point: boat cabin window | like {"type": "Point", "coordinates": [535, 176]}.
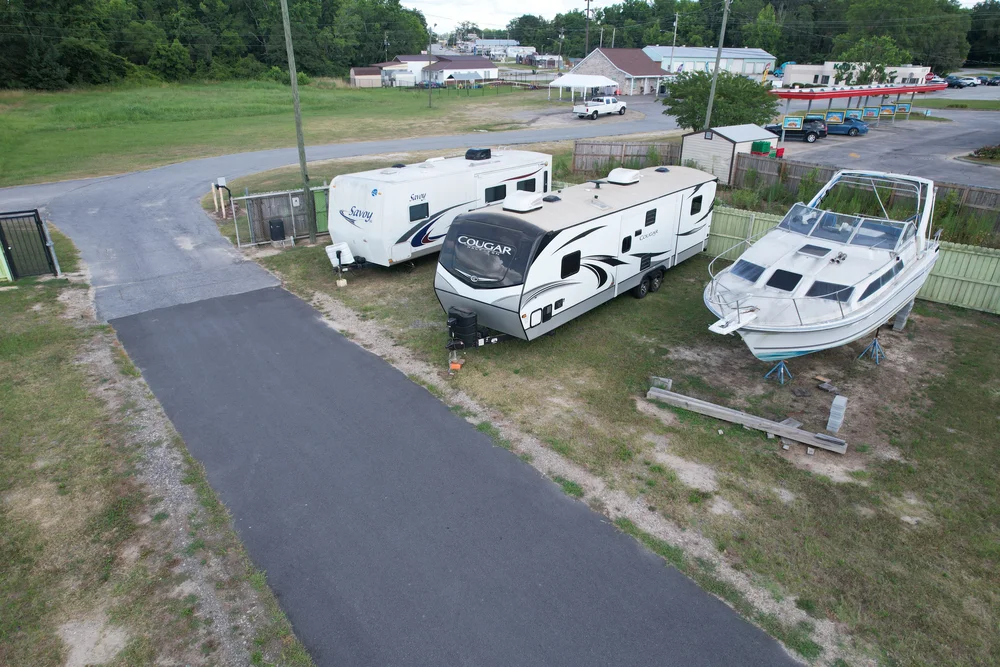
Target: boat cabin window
{"type": "Point", "coordinates": [696, 205]}
{"type": "Point", "coordinates": [908, 233]}
{"type": "Point", "coordinates": [496, 193]}
{"type": "Point", "coordinates": [882, 280]}
{"type": "Point", "coordinates": [784, 280]}
{"type": "Point", "coordinates": [419, 212]}
{"type": "Point", "coordinates": [831, 291]}
{"type": "Point", "coordinates": [747, 270]}
{"type": "Point", "coordinates": [528, 185]}
{"type": "Point", "coordinates": [570, 265]}
{"type": "Point", "coordinates": [651, 217]}
{"type": "Point", "coordinates": [835, 227]}
{"type": "Point", "coordinates": [486, 256]}
{"type": "Point", "coordinates": [800, 219]}
{"type": "Point", "coordinates": [883, 234]}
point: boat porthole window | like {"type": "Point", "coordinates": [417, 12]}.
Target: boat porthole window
{"type": "Point", "coordinates": [419, 212]}
{"type": "Point", "coordinates": [696, 205]}
{"type": "Point", "coordinates": [570, 265]}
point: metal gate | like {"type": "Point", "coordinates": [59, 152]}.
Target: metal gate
{"type": "Point", "coordinates": [26, 245]}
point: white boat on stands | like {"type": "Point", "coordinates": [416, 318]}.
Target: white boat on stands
{"type": "Point", "coordinates": [822, 279]}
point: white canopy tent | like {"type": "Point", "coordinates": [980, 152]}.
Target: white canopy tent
{"type": "Point", "coordinates": [582, 81]}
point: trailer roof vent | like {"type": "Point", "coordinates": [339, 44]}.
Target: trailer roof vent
{"type": "Point", "coordinates": [662, 170]}
{"type": "Point", "coordinates": [522, 201]}
{"type": "Point", "coordinates": [551, 198]}
{"type": "Point", "coordinates": [622, 176]}
{"type": "Point", "coordinates": [478, 154]}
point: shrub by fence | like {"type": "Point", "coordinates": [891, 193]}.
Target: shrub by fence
{"type": "Point", "coordinates": [756, 172]}
{"type": "Point", "coordinates": [593, 156]}
{"type": "Point", "coordinates": [964, 276]}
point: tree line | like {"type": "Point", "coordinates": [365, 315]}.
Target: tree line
{"type": "Point", "coordinates": [50, 44]}
{"type": "Point", "coordinates": [937, 33]}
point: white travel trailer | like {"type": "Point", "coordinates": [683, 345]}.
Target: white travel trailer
{"type": "Point", "coordinates": [386, 216]}
{"type": "Point", "coordinates": [545, 259]}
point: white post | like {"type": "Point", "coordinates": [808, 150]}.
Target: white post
{"type": "Point", "coordinates": [222, 198]}
{"type": "Point", "coordinates": [215, 197]}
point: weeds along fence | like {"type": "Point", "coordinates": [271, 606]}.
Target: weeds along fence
{"type": "Point", "coordinates": [594, 156]}
{"type": "Point", "coordinates": [967, 213]}
{"type": "Point", "coordinates": [965, 276]}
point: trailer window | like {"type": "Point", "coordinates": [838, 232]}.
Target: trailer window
{"type": "Point", "coordinates": [419, 212]}
{"type": "Point", "coordinates": [696, 205]}
{"type": "Point", "coordinates": [545, 181]}
{"type": "Point", "coordinates": [528, 185]}
{"type": "Point", "coordinates": [496, 193]}
{"type": "Point", "coordinates": [570, 265]}
{"type": "Point", "coordinates": [650, 217]}
{"type": "Point", "coordinates": [486, 256]}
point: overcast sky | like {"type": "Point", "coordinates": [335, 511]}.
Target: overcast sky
{"type": "Point", "coordinates": [497, 13]}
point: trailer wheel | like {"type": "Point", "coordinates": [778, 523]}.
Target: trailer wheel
{"type": "Point", "coordinates": [641, 290]}
{"type": "Point", "coordinates": [655, 281]}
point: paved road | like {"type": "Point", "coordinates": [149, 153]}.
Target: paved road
{"type": "Point", "coordinates": [392, 531]}
{"type": "Point", "coordinates": [921, 148]}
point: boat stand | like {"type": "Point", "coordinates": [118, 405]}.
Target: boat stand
{"type": "Point", "coordinates": [782, 370]}
{"type": "Point", "coordinates": [875, 351]}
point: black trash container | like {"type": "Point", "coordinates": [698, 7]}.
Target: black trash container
{"type": "Point", "coordinates": [277, 229]}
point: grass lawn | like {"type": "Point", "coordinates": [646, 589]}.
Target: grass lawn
{"type": "Point", "coordinates": [89, 544]}
{"type": "Point", "coordinates": [942, 103]}
{"type": "Point", "coordinates": [100, 130]}
{"type": "Point", "coordinates": [897, 543]}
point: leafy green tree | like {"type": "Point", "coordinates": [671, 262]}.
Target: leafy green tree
{"type": "Point", "coordinates": [738, 100]}
{"type": "Point", "coordinates": [171, 61]}
{"type": "Point", "coordinates": [86, 62]}
{"type": "Point", "coordinates": [764, 32]}
{"type": "Point", "coordinates": [140, 39]}
{"type": "Point", "coordinates": [984, 37]}
{"type": "Point", "coordinates": [870, 60]}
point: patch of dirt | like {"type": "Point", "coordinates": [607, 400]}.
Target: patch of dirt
{"type": "Point", "coordinates": [910, 509]}
{"type": "Point", "coordinates": [837, 467]}
{"type": "Point", "coordinates": [613, 503]}
{"type": "Point", "coordinates": [721, 506]}
{"type": "Point", "coordinates": [696, 475]}
{"type": "Point", "coordinates": [664, 415]}
{"type": "Point", "coordinates": [784, 495]}
{"type": "Point", "coordinates": [7, 288]}
{"type": "Point", "coordinates": [91, 641]}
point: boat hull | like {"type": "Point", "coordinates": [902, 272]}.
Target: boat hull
{"type": "Point", "coordinates": [776, 344]}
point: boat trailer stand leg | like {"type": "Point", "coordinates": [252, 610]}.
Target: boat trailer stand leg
{"type": "Point", "coordinates": [875, 351]}
{"type": "Point", "coordinates": [782, 372]}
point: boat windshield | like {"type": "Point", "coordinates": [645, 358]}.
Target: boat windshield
{"type": "Point", "coordinates": [801, 219]}
{"type": "Point", "coordinates": [835, 227]}
{"type": "Point", "coordinates": [882, 234]}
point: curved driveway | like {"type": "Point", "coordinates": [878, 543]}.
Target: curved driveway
{"type": "Point", "coordinates": [392, 531]}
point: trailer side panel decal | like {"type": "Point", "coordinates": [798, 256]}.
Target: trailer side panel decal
{"type": "Point", "coordinates": [418, 234]}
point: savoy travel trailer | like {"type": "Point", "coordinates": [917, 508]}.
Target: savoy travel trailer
{"type": "Point", "coordinates": [386, 216]}
{"type": "Point", "coordinates": [538, 261]}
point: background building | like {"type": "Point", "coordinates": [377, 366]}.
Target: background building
{"type": "Point", "coordinates": [826, 74]}
{"type": "Point", "coordinates": [366, 77]}
{"type": "Point", "coordinates": [450, 67]}
{"type": "Point", "coordinates": [744, 61]}
{"type": "Point", "coordinates": [634, 71]}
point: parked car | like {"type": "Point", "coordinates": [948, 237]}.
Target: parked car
{"type": "Point", "coordinates": [994, 81]}
{"type": "Point", "coordinates": [970, 81]}
{"type": "Point", "coordinates": [813, 127]}
{"type": "Point", "coordinates": [935, 79]}
{"type": "Point", "coordinates": [852, 127]}
{"type": "Point", "coordinates": [955, 82]}
{"type": "Point", "coordinates": [983, 80]}
{"type": "Point", "coordinates": [599, 106]}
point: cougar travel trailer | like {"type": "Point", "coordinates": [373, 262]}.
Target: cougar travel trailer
{"type": "Point", "coordinates": [386, 216]}
{"type": "Point", "coordinates": [545, 259]}
{"type": "Point", "coordinates": [823, 279]}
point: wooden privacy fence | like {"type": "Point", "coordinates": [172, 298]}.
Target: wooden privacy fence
{"type": "Point", "coordinates": [964, 276]}
{"type": "Point", "coordinates": [984, 202]}
{"type": "Point", "coordinates": [590, 156]}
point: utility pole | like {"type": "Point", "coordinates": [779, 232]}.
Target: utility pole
{"type": "Point", "coordinates": [614, 29]}
{"type": "Point", "coordinates": [602, 37]}
{"type": "Point", "coordinates": [586, 48]}
{"type": "Point", "coordinates": [718, 59]}
{"type": "Point", "coordinates": [306, 192]}
{"type": "Point", "coordinates": [430, 91]}
{"type": "Point", "coordinates": [670, 69]}
{"type": "Point", "coordinates": [562, 36]}
{"type": "Point", "coordinates": [385, 44]}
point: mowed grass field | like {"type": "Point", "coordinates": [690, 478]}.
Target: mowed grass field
{"type": "Point", "coordinates": [897, 543]}
{"type": "Point", "coordinates": [100, 131]}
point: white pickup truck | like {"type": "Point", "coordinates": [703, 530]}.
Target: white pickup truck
{"type": "Point", "coordinates": [599, 106]}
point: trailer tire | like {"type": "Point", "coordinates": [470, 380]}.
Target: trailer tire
{"type": "Point", "coordinates": [655, 281]}
{"type": "Point", "coordinates": [593, 116]}
{"type": "Point", "coordinates": [642, 289]}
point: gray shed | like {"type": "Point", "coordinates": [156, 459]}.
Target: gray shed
{"type": "Point", "coordinates": [715, 150]}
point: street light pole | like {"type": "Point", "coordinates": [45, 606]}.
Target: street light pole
{"type": "Point", "coordinates": [430, 92]}
{"type": "Point", "coordinates": [670, 68]}
{"type": "Point", "coordinates": [293, 75]}
{"type": "Point", "coordinates": [718, 59]}
{"type": "Point", "coordinates": [586, 48]}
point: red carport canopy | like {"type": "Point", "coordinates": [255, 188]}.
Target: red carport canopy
{"type": "Point", "coordinates": [832, 92]}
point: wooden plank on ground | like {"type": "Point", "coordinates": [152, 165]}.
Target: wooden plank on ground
{"type": "Point", "coordinates": [735, 416]}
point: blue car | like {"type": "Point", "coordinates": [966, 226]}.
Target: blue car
{"type": "Point", "coordinates": [852, 127]}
